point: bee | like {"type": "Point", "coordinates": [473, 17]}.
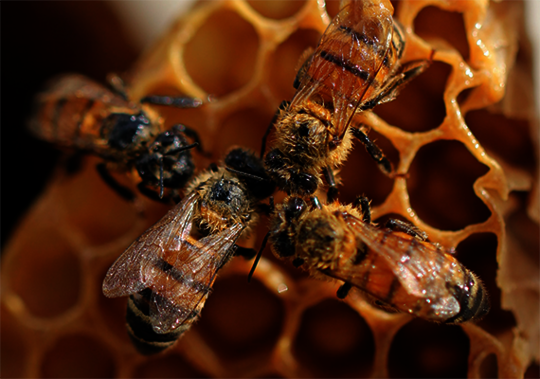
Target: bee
{"type": "Point", "coordinates": [395, 267]}
{"type": "Point", "coordinates": [168, 272]}
{"type": "Point", "coordinates": [355, 66]}
{"type": "Point", "coordinates": [76, 112]}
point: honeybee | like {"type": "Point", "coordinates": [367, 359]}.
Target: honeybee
{"type": "Point", "coordinates": [355, 66]}
{"type": "Point", "coordinates": [76, 112]}
{"type": "Point", "coordinates": [395, 267]}
{"type": "Point", "coordinates": [168, 272]}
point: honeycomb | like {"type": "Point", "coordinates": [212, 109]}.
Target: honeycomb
{"type": "Point", "coordinates": [465, 131]}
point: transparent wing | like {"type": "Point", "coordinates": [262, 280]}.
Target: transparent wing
{"type": "Point", "coordinates": [418, 265]}
{"type": "Point", "coordinates": [192, 281]}
{"type": "Point", "coordinates": [347, 60]}
{"type": "Point", "coordinates": [137, 267]}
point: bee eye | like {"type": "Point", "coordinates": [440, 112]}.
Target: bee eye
{"type": "Point", "coordinates": [274, 159]}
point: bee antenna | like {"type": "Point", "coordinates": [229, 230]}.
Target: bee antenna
{"type": "Point", "coordinates": [258, 257]}
{"type": "Point", "coordinates": [182, 148]}
{"type": "Point", "coordinates": [245, 174]}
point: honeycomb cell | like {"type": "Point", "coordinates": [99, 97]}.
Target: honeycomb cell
{"type": "Point", "coordinates": [441, 186]}
{"type": "Point", "coordinates": [426, 350]}
{"type": "Point", "coordinates": [435, 22]}
{"type": "Point", "coordinates": [14, 352]}
{"type": "Point", "coordinates": [488, 367]}
{"type": "Point", "coordinates": [245, 127]}
{"type": "Point", "coordinates": [419, 107]}
{"type": "Point", "coordinates": [276, 9]}
{"type": "Point", "coordinates": [168, 366]}
{"type": "Point", "coordinates": [92, 203]}
{"type": "Point", "coordinates": [46, 274]}
{"type": "Point", "coordinates": [78, 356]}
{"type": "Point", "coordinates": [287, 59]}
{"type": "Point", "coordinates": [233, 54]}
{"type": "Point", "coordinates": [533, 371]}
{"type": "Point", "coordinates": [510, 139]}
{"type": "Point", "coordinates": [478, 253]}
{"type": "Point", "coordinates": [334, 341]}
{"type": "Point", "coordinates": [241, 321]}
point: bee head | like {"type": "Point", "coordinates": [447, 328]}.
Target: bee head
{"type": "Point", "coordinates": [126, 130]}
{"type": "Point", "coordinates": [250, 170]}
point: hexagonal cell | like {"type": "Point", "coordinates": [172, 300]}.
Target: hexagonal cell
{"type": "Point", "coordinates": [78, 356]}
{"type": "Point", "coordinates": [166, 366]}
{"type": "Point", "coordinates": [276, 9]}
{"type": "Point", "coordinates": [436, 22]}
{"type": "Point", "coordinates": [441, 186]}
{"type": "Point", "coordinates": [427, 350]}
{"type": "Point", "coordinates": [334, 341]}
{"type": "Point", "coordinates": [15, 349]}
{"type": "Point", "coordinates": [287, 59]}
{"type": "Point", "coordinates": [241, 322]}
{"type": "Point", "coordinates": [245, 127]}
{"type": "Point", "coordinates": [94, 207]}
{"type": "Point", "coordinates": [232, 62]}
{"type": "Point", "coordinates": [46, 273]}
{"type": "Point", "coordinates": [419, 106]}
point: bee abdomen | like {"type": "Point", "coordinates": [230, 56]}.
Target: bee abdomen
{"type": "Point", "coordinates": [472, 298]}
{"type": "Point", "coordinates": [140, 330]}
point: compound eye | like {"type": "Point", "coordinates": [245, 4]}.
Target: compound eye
{"type": "Point", "coordinates": [274, 159]}
{"type": "Point", "coordinates": [125, 129]}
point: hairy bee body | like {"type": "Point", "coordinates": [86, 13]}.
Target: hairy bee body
{"type": "Point", "coordinates": [169, 271]}
{"type": "Point", "coordinates": [76, 112]}
{"type": "Point", "coordinates": [393, 269]}
{"type": "Point", "coordinates": [355, 66]}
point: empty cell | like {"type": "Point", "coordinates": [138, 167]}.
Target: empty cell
{"type": "Point", "coordinates": [78, 356]}
{"type": "Point", "coordinates": [488, 367]}
{"type": "Point", "coordinates": [46, 273]}
{"type": "Point", "coordinates": [167, 366]}
{"type": "Point", "coordinates": [334, 341]}
{"type": "Point", "coordinates": [231, 63]}
{"type": "Point", "coordinates": [426, 350]}
{"type": "Point", "coordinates": [241, 321]}
{"type": "Point", "coordinates": [440, 186]}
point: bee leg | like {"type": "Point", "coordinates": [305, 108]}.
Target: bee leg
{"type": "Point", "coordinates": [343, 291]}
{"type": "Point", "coordinates": [173, 101]}
{"type": "Point", "coordinates": [191, 133]}
{"type": "Point", "coordinates": [283, 106]}
{"type": "Point", "coordinates": [362, 203]}
{"type": "Point", "coordinates": [408, 71]}
{"type": "Point", "coordinates": [373, 150]}
{"type": "Point", "coordinates": [122, 191]}
{"type": "Point", "coordinates": [333, 192]}
{"type": "Point", "coordinates": [406, 227]}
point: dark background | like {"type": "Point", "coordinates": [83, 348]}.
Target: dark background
{"type": "Point", "coordinates": [41, 40]}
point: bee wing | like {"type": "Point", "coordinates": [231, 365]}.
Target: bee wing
{"type": "Point", "coordinates": [135, 269]}
{"type": "Point", "coordinates": [415, 263]}
{"type": "Point", "coordinates": [178, 299]}
{"type": "Point", "coordinates": [347, 59]}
